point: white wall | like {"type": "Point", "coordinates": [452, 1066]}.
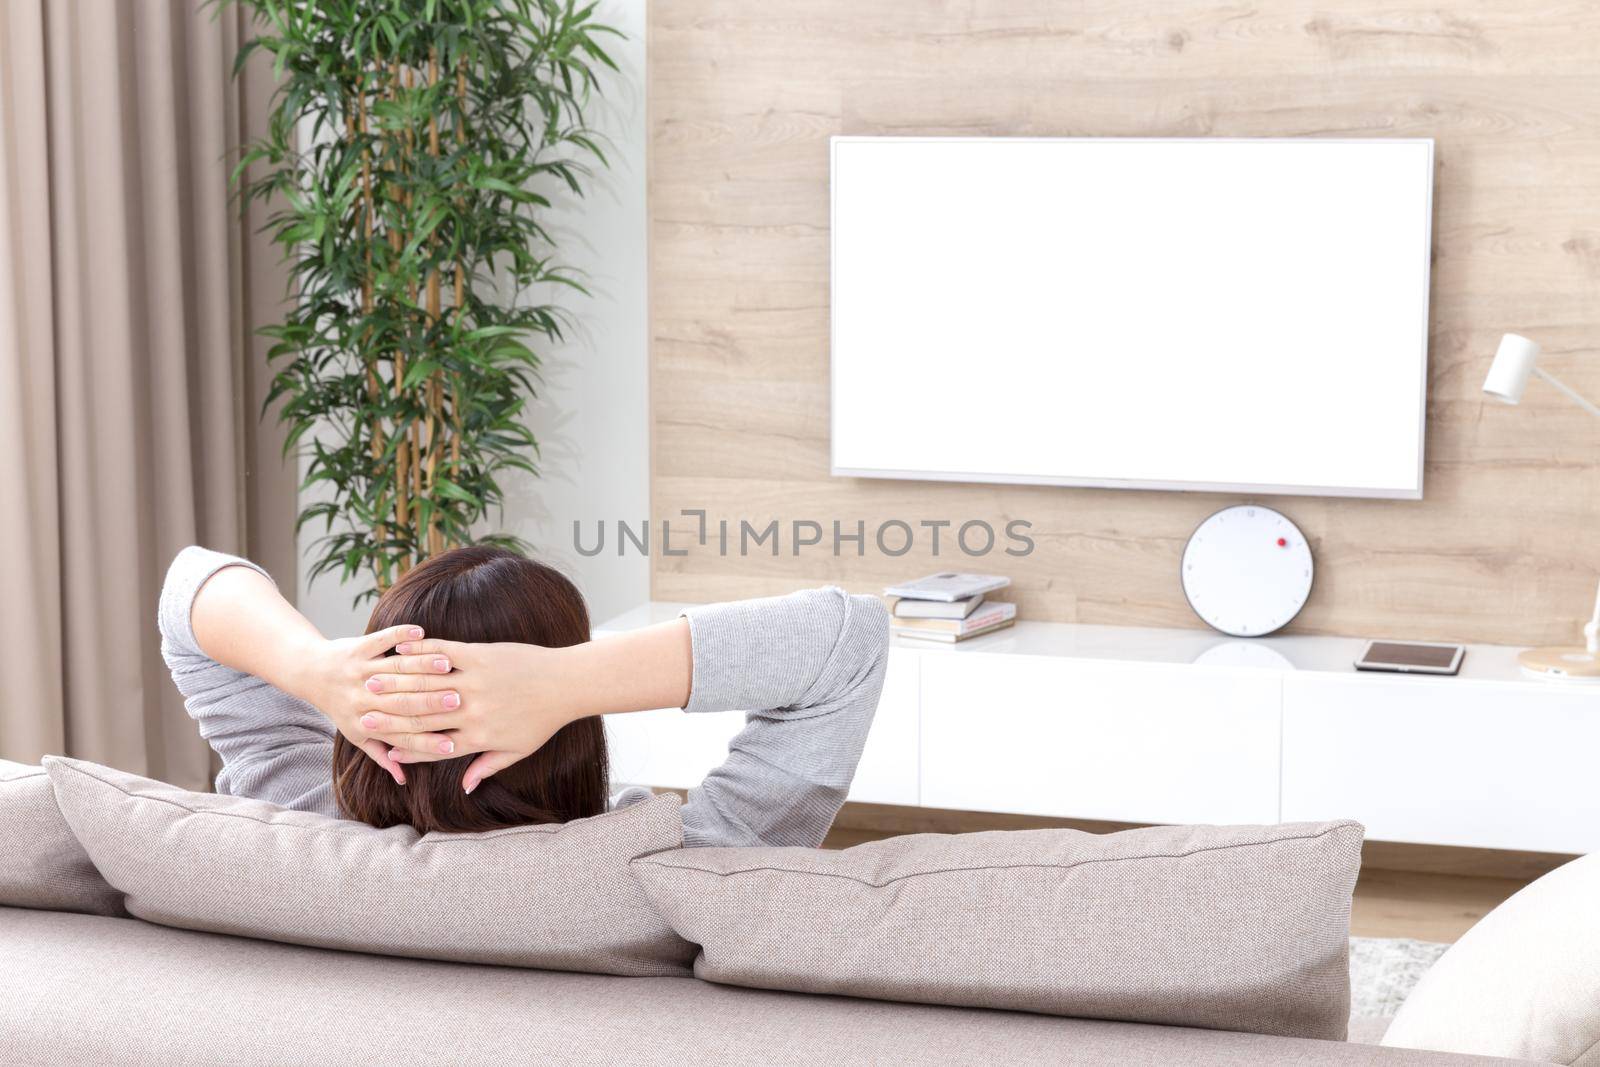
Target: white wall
{"type": "Point", "coordinates": [592, 415]}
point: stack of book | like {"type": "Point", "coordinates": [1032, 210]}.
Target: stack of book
{"type": "Point", "coordinates": [950, 607]}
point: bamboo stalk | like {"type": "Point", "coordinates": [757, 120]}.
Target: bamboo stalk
{"type": "Point", "coordinates": [413, 437]}
{"type": "Point", "coordinates": [380, 529]}
{"type": "Point", "coordinates": [460, 280]}
{"type": "Point", "coordinates": [402, 457]}
{"type": "Point", "coordinates": [435, 388]}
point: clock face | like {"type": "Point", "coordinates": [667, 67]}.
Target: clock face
{"type": "Point", "coordinates": [1247, 571]}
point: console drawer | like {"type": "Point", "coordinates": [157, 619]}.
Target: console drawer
{"type": "Point", "coordinates": [1095, 739]}
{"type": "Point", "coordinates": [1436, 761]}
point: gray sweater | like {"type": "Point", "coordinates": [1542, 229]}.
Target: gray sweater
{"type": "Point", "coordinates": [810, 664]}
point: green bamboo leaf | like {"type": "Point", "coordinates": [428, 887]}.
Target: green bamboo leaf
{"type": "Point", "coordinates": [451, 490]}
{"type": "Point", "coordinates": [490, 331]}
{"type": "Point", "coordinates": [419, 372]}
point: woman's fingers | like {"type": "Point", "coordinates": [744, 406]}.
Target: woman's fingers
{"type": "Point", "coordinates": [376, 722]}
{"type": "Point", "coordinates": [456, 651]}
{"type": "Point", "coordinates": [409, 683]}
{"type": "Point", "coordinates": [377, 643]}
{"type": "Point", "coordinates": [411, 705]}
{"type": "Point", "coordinates": [406, 755]}
{"type": "Point", "coordinates": [404, 745]}
{"type": "Point", "coordinates": [433, 663]}
{"type": "Point", "coordinates": [379, 754]}
{"type": "Point", "coordinates": [485, 765]}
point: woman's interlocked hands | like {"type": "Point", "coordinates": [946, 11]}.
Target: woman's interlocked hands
{"type": "Point", "coordinates": [499, 700]}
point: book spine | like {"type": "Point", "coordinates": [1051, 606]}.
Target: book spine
{"type": "Point", "coordinates": [950, 637]}
{"type": "Point", "coordinates": [999, 611]}
{"type": "Point", "coordinates": [986, 617]}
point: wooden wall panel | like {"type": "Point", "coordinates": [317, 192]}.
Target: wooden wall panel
{"type": "Point", "coordinates": [1505, 547]}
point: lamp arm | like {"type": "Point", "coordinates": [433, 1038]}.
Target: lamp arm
{"type": "Point", "coordinates": [1562, 386]}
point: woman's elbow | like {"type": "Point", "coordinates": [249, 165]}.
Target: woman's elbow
{"type": "Point", "coordinates": [176, 589]}
{"type": "Point", "coordinates": [866, 635]}
{"type": "Point", "coordinates": [189, 570]}
{"type": "Point", "coordinates": [872, 617]}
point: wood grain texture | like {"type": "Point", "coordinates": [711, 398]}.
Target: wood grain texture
{"type": "Point", "coordinates": [1429, 907]}
{"type": "Point", "coordinates": [743, 97]}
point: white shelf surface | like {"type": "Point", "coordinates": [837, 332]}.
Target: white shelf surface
{"type": "Point", "coordinates": [1203, 648]}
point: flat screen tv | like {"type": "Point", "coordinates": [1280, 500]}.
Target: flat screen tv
{"type": "Point", "coordinates": [1206, 314]}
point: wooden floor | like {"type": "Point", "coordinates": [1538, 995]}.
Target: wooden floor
{"type": "Point", "coordinates": [1432, 907]}
{"type": "Point", "coordinates": [1438, 899]}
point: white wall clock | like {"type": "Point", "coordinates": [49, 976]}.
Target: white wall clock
{"type": "Point", "coordinates": [1247, 571]}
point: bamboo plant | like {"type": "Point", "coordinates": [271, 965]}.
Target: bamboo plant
{"type": "Point", "coordinates": [412, 150]}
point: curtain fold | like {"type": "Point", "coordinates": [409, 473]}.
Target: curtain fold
{"type": "Point", "coordinates": [130, 376]}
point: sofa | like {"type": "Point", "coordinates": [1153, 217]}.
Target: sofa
{"type": "Point", "coordinates": [85, 989]}
{"type": "Point", "coordinates": [145, 924]}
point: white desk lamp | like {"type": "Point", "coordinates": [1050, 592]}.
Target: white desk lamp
{"type": "Point", "coordinates": [1516, 361]}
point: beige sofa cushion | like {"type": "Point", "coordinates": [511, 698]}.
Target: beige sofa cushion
{"type": "Point", "coordinates": [558, 896]}
{"type": "Point", "coordinates": [1524, 981]}
{"type": "Point", "coordinates": [1233, 928]}
{"type": "Point", "coordinates": [77, 989]}
{"type": "Point", "coordinates": [41, 863]}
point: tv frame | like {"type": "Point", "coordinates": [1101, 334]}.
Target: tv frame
{"type": "Point", "coordinates": [1000, 478]}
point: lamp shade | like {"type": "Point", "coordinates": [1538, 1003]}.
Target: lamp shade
{"type": "Point", "coordinates": [1513, 366]}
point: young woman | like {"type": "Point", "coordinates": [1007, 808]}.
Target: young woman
{"type": "Point", "coordinates": [472, 702]}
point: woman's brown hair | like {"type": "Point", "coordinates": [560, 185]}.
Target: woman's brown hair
{"type": "Point", "coordinates": [482, 593]}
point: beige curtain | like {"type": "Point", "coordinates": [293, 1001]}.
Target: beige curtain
{"type": "Point", "coordinates": [130, 376]}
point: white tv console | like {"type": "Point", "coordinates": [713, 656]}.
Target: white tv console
{"type": "Point", "coordinates": [1163, 726]}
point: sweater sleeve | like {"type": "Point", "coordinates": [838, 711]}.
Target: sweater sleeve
{"type": "Point", "coordinates": [811, 667]}
{"type": "Point", "coordinates": [273, 746]}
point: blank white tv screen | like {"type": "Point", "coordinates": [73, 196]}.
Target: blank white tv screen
{"type": "Point", "coordinates": [1246, 315]}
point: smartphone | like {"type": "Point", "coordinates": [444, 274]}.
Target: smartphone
{"type": "Point", "coordinates": [1411, 657]}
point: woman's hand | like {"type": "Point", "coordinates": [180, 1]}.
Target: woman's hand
{"type": "Point", "coordinates": [332, 676]}
{"type": "Point", "coordinates": [513, 698]}
{"type": "Point", "coordinates": [509, 700]}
